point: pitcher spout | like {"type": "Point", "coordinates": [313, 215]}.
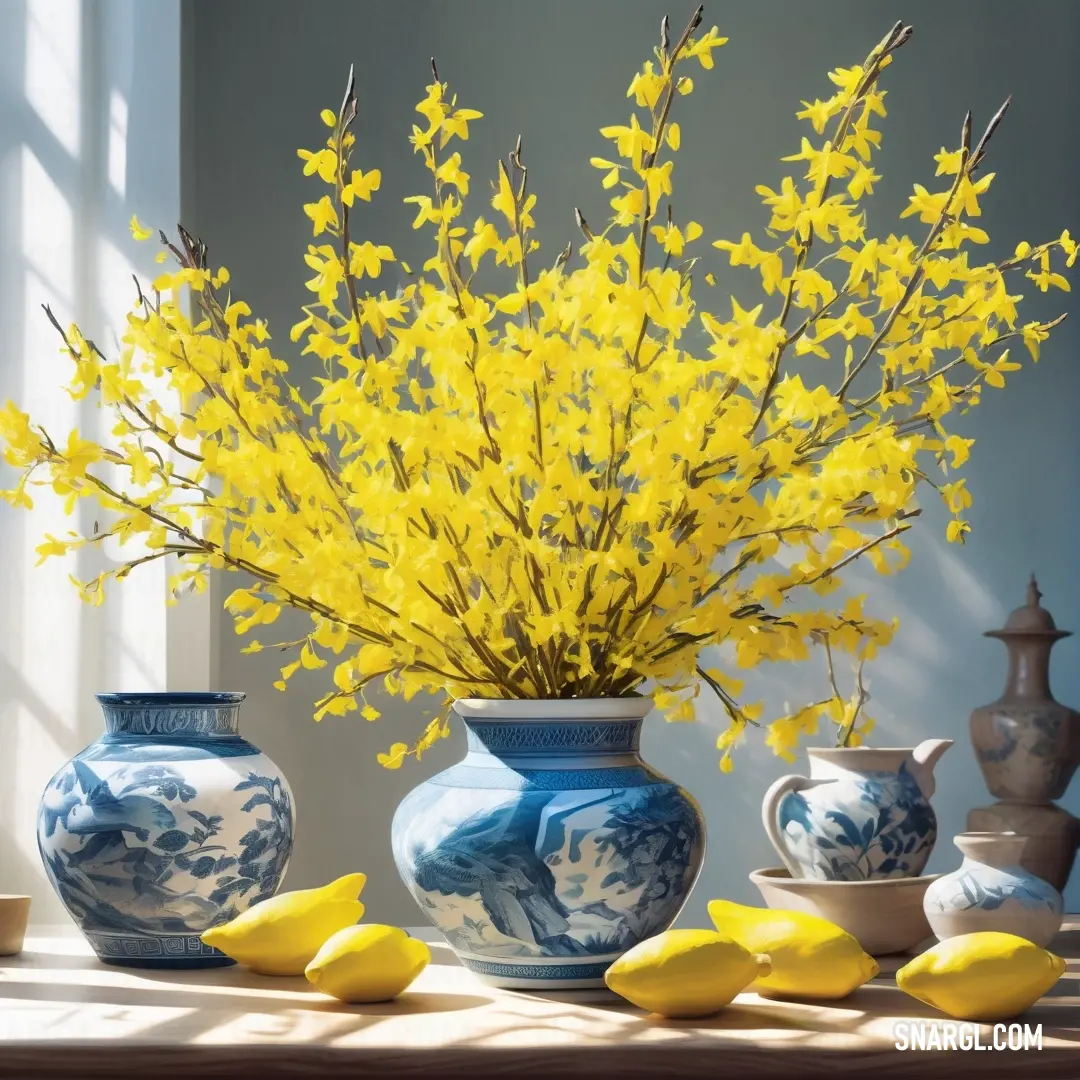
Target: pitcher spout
{"type": "Point", "coordinates": [924, 757]}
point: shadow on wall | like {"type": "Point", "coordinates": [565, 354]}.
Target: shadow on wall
{"type": "Point", "coordinates": [89, 135]}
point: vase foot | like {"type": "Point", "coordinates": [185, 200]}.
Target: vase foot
{"type": "Point", "coordinates": [173, 951]}
{"type": "Point", "coordinates": [165, 964]}
{"type": "Point", "coordinates": [540, 974]}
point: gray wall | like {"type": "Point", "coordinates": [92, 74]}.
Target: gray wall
{"type": "Point", "coordinates": [259, 74]}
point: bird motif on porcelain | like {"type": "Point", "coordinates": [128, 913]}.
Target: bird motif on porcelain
{"type": "Point", "coordinates": [170, 846]}
{"type": "Point", "coordinates": [546, 873]}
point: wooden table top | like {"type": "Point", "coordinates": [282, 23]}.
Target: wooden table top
{"type": "Point", "coordinates": [65, 1015]}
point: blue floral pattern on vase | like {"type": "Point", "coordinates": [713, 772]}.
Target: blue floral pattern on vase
{"type": "Point", "coordinates": [989, 889]}
{"type": "Point", "coordinates": [542, 872]}
{"type": "Point", "coordinates": [150, 837]}
{"type": "Point", "coordinates": [872, 824]}
{"type": "Point", "coordinates": [992, 891]}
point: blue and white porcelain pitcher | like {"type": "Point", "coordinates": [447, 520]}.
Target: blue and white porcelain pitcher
{"type": "Point", "coordinates": [862, 813]}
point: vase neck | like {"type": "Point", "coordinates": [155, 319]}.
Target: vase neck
{"type": "Point", "coordinates": [528, 738]}
{"type": "Point", "coordinates": [998, 850]}
{"type": "Point", "coordinates": [185, 715]}
{"type": "Point", "coordinates": [1029, 668]}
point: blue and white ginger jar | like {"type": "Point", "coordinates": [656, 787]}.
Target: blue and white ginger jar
{"type": "Point", "coordinates": [166, 825]}
{"type": "Point", "coordinates": [861, 815]}
{"type": "Point", "coordinates": [992, 891]}
{"type": "Point", "coordinates": [552, 848]}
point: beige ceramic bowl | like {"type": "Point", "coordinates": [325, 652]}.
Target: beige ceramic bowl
{"type": "Point", "coordinates": [884, 915]}
{"type": "Point", "coordinates": [14, 913]}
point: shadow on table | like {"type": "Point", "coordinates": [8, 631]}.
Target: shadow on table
{"type": "Point", "coordinates": [1067, 943]}
{"type": "Point", "coordinates": [301, 998]}
{"type": "Point", "coordinates": [288, 1011]}
{"type": "Point", "coordinates": [792, 1021]}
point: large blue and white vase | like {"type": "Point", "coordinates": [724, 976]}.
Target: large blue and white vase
{"type": "Point", "coordinates": [862, 814]}
{"type": "Point", "coordinates": [992, 891]}
{"type": "Point", "coordinates": [166, 825]}
{"type": "Point", "coordinates": [551, 848]}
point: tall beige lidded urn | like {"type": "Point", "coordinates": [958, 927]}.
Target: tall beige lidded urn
{"type": "Point", "coordinates": [1028, 747]}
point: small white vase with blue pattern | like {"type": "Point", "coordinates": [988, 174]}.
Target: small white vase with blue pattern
{"type": "Point", "coordinates": [552, 848]}
{"type": "Point", "coordinates": [992, 891]}
{"type": "Point", "coordinates": [862, 814]}
{"type": "Point", "coordinates": [168, 824]}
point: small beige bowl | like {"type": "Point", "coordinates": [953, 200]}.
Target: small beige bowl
{"type": "Point", "coordinates": [885, 915]}
{"type": "Point", "coordinates": [14, 915]}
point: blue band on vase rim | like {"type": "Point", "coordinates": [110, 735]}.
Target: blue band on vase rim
{"type": "Point", "coordinates": [567, 710]}
{"type": "Point", "coordinates": [543, 737]}
{"type": "Point", "coordinates": [189, 713]}
{"type": "Point", "coordinates": [515, 727]}
{"type": "Point", "coordinates": [153, 699]}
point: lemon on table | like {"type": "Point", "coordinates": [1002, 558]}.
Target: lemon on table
{"type": "Point", "coordinates": [810, 957]}
{"type": "Point", "coordinates": [363, 964]}
{"type": "Point", "coordinates": [281, 935]}
{"type": "Point", "coordinates": [684, 973]}
{"type": "Point", "coordinates": [985, 976]}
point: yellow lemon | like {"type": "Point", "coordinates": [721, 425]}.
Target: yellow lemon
{"type": "Point", "coordinates": [810, 956]}
{"type": "Point", "coordinates": [363, 964]}
{"type": "Point", "coordinates": [684, 973]}
{"type": "Point", "coordinates": [281, 935]}
{"type": "Point", "coordinates": [985, 976]}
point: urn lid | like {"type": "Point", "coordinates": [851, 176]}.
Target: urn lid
{"type": "Point", "coordinates": [1031, 620]}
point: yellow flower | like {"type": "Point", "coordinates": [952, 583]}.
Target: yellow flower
{"type": "Point", "coordinates": [631, 141]}
{"type": "Point", "coordinates": [949, 162]}
{"type": "Point", "coordinates": [957, 530]}
{"type": "Point", "coordinates": [323, 214]}
{"type": "Point", "coordinates": [361, 185]}
{"type": "Point", "coordinates": [139, 231]}
{"type": "Point", "coordinates": [673, 240]}
{"type": "Point", "coordinates": [819, 112]}
{"type": "Point", "coordinates": [928, 207]}
{"type": "Point", "coordinates": [457, 123]}
{"type": "Point", "coordinates": [703, 47]}
{"type": "Point", "coordinates": [558, 474]}
{"type": "Point", "coordinates": [1069, 246]}
{"type": "Point", "coordinates": [646, 87]}
{"type": "Point", "coordinates": [395, 757]}
{"type": "Point", "coordinates": [367, 258]}
{"type": "Point", "coordinates": [862, 182]}
{"type": "Point", "coordinates": [323, 162]}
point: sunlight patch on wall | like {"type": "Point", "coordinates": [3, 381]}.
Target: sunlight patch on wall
{"type": "Point", "coordinates": [984, 610]}
{"type": "Point", "coordinates": [46, 655]}
{"type": "Point", "coordinates": [48, 240]}
{"type": "Point", "coordinates": [53, 67]}
{"type": "Point", "coordinates": [135, 612]}
{"type": "Point", "coordinates": [118, 127]}
{"type": "Point", "coordinates": [50, 606]}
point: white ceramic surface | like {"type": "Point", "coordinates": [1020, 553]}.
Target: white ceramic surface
{"type": "Point", "coordinates": [885, 916]}
{"type": "Point", "coordinates": [862, 814]}
{"type": "Point", "coordinates": [992, 891]}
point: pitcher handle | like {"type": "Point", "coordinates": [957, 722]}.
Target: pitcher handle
{"type": "Point", "coordinates": [770, 810]}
